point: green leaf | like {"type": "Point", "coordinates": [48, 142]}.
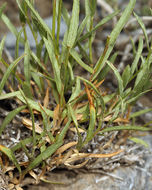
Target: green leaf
{"type": "Point", "coordinates": [8, 23]}
{"type": "Point", "coordinates": [43, 156]}
{"type": "Point", "coordinates": [38, 81]}
{"type": "Point", "coordinates": [54, 62]}
{"type": "Point", "coordinates": [37, 60]}
{"type": "Point", "coordinates": [38, 18]}
{"type": "Point", "coordinates": [116, 111]}
{"type": "Point", "coordinates": [125, 127]}
{"type": "Point", "coordinates": [71, 73]}
{"type": "Point", "coordinates": [11, 27]}
{"type": "Point", "coordinates": [81, 27]}
{"type": "Point", "coordinates": [120, 81]}
{"type": "Point", "coordinates": [24, 142]}
{"type": "Point", "coordinates": [18, 39]}
{"type": "Point", "coordinates": [135, 96]}
{"type": "Point", "coordinates": [65, 15]}
{"type": "Point", "coordinates": [138, 55]}
{"type": "Point", "coordinates": [27, 71]}
{"type": "Point", "coordinates": [2, 46]}
{"type": "Point", "coordinates": [9, 153]}
{"type": "Point", "coordinates": [101, 23]}
{"type": "Point", "coordinates": [72, 115]}
{"type": "Point", "coordinates": [91, 128]}
{"type": "Point", "coordinates": [33, 120]}
{"type": "Point", "coordinates": [108, 97]}
{"type": "Point", "coordinates": [9, 117]}
{"type": "Point", "coordinates": [139, 141]}
{"type": "Point", "coordinates": [34, 105]}
{"type": "Point", "coordinates": [141, 112]}
{"type": "Point", "coordinates": [84, 54]}
{"type": "Point", "coordinates": [2, 9]}
{"type": "Point", "coordinates": [9, 95]}
{"type": "Point", "coordinates": [8, 72]}
{"type": "Point", "coordinates": [76, 56]}
{"type": "Point", "coordinates": [88, 13]}
{"type": "Point", "coordinates": [74, 23]}
{"type": "Point", "coordinates": [126, 75]}
{"type": "Point", "coordinates": [90, 7]}
{"type": "Point", "coordinates": [22, 11]}
{"type": "Point", "coordinates": [143, 29]}
{"type": "Point", "coordinates": [46, 123]}
{"type": "Point", "coordinates": [49, 150]}
{"type": "Point", "coordinates": [27, 90]}
{"type": "Point", "coordinates": [103, 73]}
{"type": "Point", "coordinates": [75, 90]}
{"type": "Point", "coordinates": [39, 48]}
{"type": "Point", "coordinates": [113, 36]}
{"type": "Point", "coordinates": [59, 11]}
{"type": "Point", "coordinates": [65, 50]}
{"type": "Point", "coordinates": [142, 78]}
{"type": "Point", "coordinates": [54, 19]}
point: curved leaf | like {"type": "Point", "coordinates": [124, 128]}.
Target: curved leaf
{"type": "Point", "coordinates": [125, 127]}
{"type": "Point", "coordinates": [8, 72]}
{"type": "Point", "coordinates": [10, 116]}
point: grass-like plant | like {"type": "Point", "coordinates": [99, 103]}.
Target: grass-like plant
{"type": "Point", "coordinates": [50, 90]}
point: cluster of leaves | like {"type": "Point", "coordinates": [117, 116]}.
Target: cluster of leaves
{"type": "Point", "coordinates": [86, 102]}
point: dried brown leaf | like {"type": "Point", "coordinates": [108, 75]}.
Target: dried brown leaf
{"type": "Point", "coordinates": [38, 129]}
{"type": "Point", "coordinates": [56, 115]}
{"type": "Point", "coordinates": [46, 98]}
{"type": "Point", "coordinates": [65, 147]}
{"type": "Point", "coordinates": [36, 177]}
{"type": "Point", "coordinates": [76, 166]}
{"type": "Point", "coordinates": [18, 187]}
{"type": "Point", "coordinates": [78, 156]}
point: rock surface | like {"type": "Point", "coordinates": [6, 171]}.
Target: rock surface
{"type": "Point", "coordinates": [134, 177]}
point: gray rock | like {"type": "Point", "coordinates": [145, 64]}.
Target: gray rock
{"type": "Point", "coordinates": [11, 39]}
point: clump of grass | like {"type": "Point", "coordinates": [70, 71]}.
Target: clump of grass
{"type": "Point", "coordinates": [50, 90]}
